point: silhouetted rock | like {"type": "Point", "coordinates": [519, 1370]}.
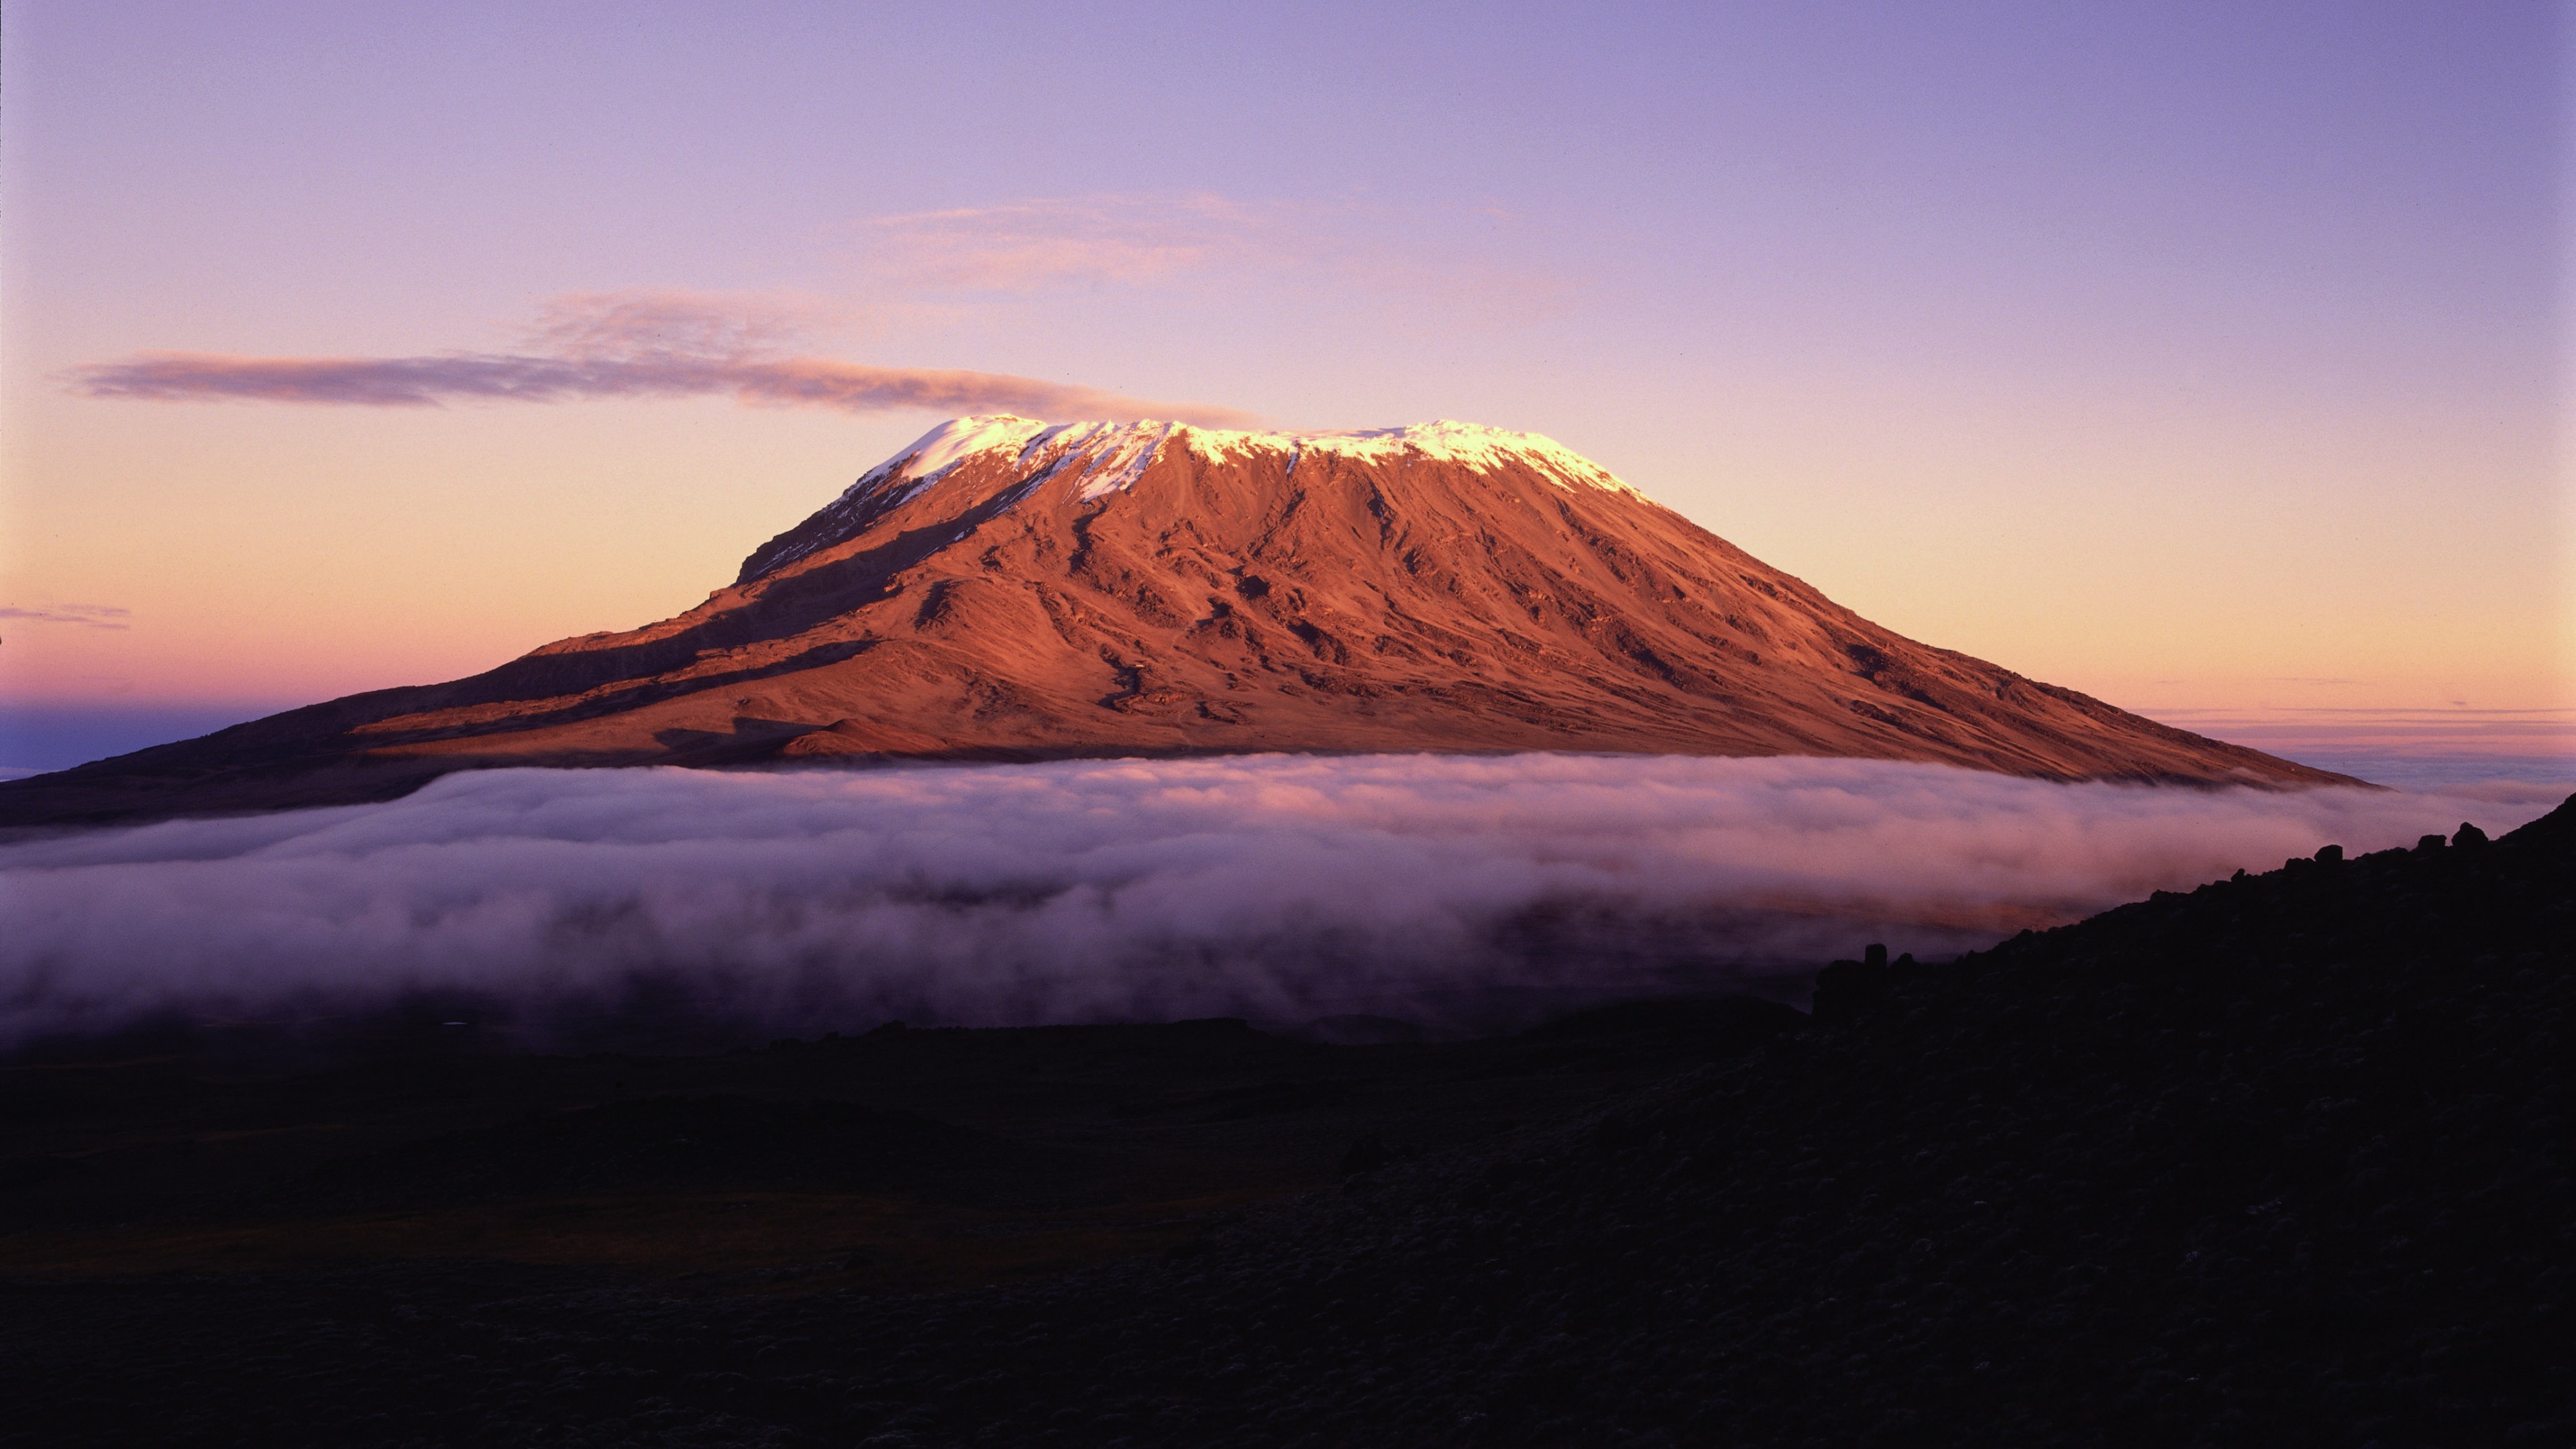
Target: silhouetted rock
{"type": "Point", "coordinates": [1845, 989]}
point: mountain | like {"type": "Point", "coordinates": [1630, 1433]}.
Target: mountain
{"type": "Point", "coordinates": [1010, 589]}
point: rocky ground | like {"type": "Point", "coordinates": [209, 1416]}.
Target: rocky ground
{"type": "Point", "coordinates": [2281, 1161]}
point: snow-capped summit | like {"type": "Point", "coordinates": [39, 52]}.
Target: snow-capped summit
{"type": "Point", "coordinates": [1096, 459]}
{"type": "Point", "coordinates": [1111, 456]}
{"type": "Point", "coordinates": [1026, 441]}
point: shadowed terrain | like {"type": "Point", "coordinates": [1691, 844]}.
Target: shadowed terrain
{"type": "Point", "coordinates": [2282, 1160]}
{"type": "Point", "coordinates": [1007, 591]}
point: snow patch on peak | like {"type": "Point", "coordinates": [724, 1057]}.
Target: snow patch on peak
{"type": "Point", "coordinates": [1445, 440]}
{"type": "Point", "coordinates": [1115, 466]}
{"type": "Point", "coordinates": [956, 440]}
{"type": "Point", "coordinates": [1111, 457]}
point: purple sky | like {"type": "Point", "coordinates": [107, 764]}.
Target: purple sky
{"type": "Point", "coordinates": [2200, 356]}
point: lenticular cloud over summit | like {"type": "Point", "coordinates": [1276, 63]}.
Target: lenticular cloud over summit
{"type": "Point", "coordinates": [1278, 887]}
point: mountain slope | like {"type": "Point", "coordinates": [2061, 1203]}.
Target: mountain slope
{"type": "Point", "coordinates": [1009, 589]}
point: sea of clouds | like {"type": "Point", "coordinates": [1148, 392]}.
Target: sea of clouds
{"type": "Point", "coordinates": [1455, 892]}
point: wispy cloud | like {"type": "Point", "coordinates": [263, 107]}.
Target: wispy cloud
{"type": "Point", "coordinates": [783, 382]}
{"type": "Point", "coordinates": [94, 616]}
{"type": "Point", "coordinates": [628, 344]}
{"type": "Point", "coordinates": [1198, 239]}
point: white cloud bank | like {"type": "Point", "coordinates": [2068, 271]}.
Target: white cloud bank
{"type": "Point", "coordinates": [1279, 887]}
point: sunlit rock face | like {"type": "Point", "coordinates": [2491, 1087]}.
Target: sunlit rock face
{"type": "Point", "coordinates": [1007, 588]}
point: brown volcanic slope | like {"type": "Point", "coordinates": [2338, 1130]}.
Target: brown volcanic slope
{"type": "Point", "coordinates": [1007, 590]}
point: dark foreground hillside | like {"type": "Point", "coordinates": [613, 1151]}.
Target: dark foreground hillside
{"type": "Point", "coordinates": [2284, 1161]}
